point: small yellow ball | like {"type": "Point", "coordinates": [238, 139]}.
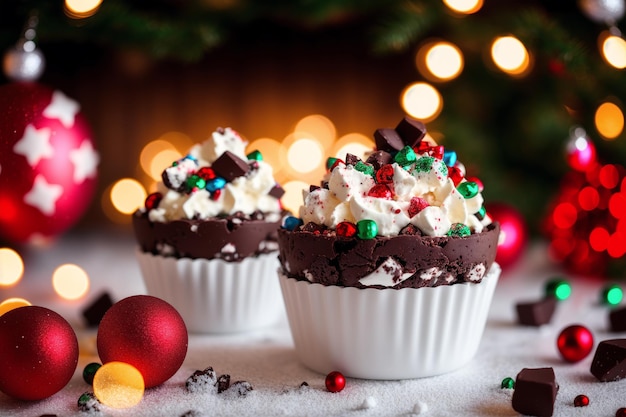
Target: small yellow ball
{"type": "Point", "coordinates": [118, 385]}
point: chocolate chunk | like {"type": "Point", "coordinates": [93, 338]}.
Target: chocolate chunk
{"type": "Point", "coordinates": [379, 158]}
{"type": "Point", "coordinates": [313, 227]}
{"type": "Point", "coordinates": [617, 319]}
{"type": "Point", "coordinates": [95, 311]}
{"type": "Point", "coordinates": [277, 192]}
{"type": "Point", "coordinates": [352, 159]}
{"type": "Point", "coordinates": [313, 188]}
{"type": "Point", "coordinates": [536, 313]}
{"type": "Point", "coordinates": [241, 387]}
{"type": "Point", "coordinates": [535, 392]}
{"type": "Point", "coordinates": [388, 140]}
{"type": "Point", "coordinates": [411, 131]}
{"type": "Point", "coordinates": [609, 361]}
{"type": "Point", "coordinates": [229, 166]}
{"type": "Point", "coordinates": [223, 383]}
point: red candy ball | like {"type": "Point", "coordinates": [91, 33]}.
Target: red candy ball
{"type": "Point", "coordinates": [47, 162]}
{"type": "Point", "coordinates": [581, 401]}
{"type": "Point", "coordinates": [145, 332]}
{"type": "Point", "coordinates": [621, 412]}
{"type": "Point", "coordinates": [514, 232]}
{"type": "Point", "coordinates": [38, 353]}
{"type": "Point", "coordinates": [575, 343]}
{"type": "Point", "coordinates": [335, 381]}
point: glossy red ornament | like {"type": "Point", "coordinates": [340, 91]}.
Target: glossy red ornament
{"type": "Point", "coordinates": [581, 401]}
{"type": "Point", "coordinates": [335, 381]}
{"type": "Point", "coordinates": [575, 343]}
{"type": "Point", "coordinates": [346, 229]}
{"type": "Point", "coordinates": [38, 351]}
{"type": "Point", "coordinates": [145, 332]}
{"type": "Point", "coordinates": [381, 191]}
{"type": "Point", "coordinates": [47, 162]}
{"type": "Point", "coordinates": [514, 233]}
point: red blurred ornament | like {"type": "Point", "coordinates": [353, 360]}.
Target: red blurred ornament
{"type": "Point", "coordinates": [581, 401]}
{"type": "Point", "coordinates": [575, 343]}
{"type": "Point", "coordinates": [145, 332]}
{"type": "Point", "coordinates": [514, 233]}
{"type": "Point", "coordinates": [335, 381]}
{"type": "Point", "coordinates": [621, 412]}
{"type": "Point", "coordinates": [38, 351]}
{"type": "Point", "coordinates": [580, 151]}
{"type": "Point", "coordinates": [47, 162]}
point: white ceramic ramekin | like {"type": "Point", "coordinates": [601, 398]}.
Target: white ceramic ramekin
{"type": "Point", "coordinates": [385, 333]}
{"type": "Point", "coordinates": [215, 296]}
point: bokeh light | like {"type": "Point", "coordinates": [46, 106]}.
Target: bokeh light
{"type": "Point", "coordinates": [609, 120]}
{"type": "Point", "coordinates": [305, 155]}
{"type": "Point", "coordinates": [162, 160]}
{"type": "Point", "coordinates": [11, 267]}
{"type": "Point", "coordinates": [564, 215]}
{"type": "Point", "coordinates": [510, 55]}
{"type": "Point", "coordinates": [464, 6]}
{"type": "Point", "coordinates": [70, 281]}
{"type": "Point", "coordinates": [80, 9]}
{"type": "Point", "coordinates": [292, 200]}
{"type": "Point", "coordinates": [127, 195]}
{"type": "Point", "coordinates": [422, 101]}
{"type": "Point", "coordinates": [318, 127]}
{"type": "Point", "coordinates": [273, 152]}
{"type": "Point", "coordinates": [598, 239]}
{"type": "Point", "coordinates": [613, 50]}
{"type": "Point", "coordinates": [12, 303]}
{"type": "Point", "coordinates": [440, 61]}
{"type": "Point", "coordinates": [354, 143]}
{"type": "Point", "coordinates": [118, 385]}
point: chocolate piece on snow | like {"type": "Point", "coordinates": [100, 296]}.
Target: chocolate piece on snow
{"type": "Point", "coordinates": [411, 131]}
{"type": "Point", "coordinates": [95, 311]}
{"type": "Point", "coordinates": [609, 361]}
{"type": "Point", "coordinates": [229, 166]}
{"type": "Point", "coordinates": [379, 158]}
{"type": "Point", "coordinates": [536, 313]}
{"type": "Point", "coordinates": [535, 392]}
{"type": "Point", "coordinates": [388, 140]}
{"type": "Point", "coordinates": [617, 318]}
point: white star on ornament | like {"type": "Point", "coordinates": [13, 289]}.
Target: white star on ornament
{"type": "Point", "coordinates": [85, 160]}
{"type": "Point", "coordinates": [34, 145]}
{"type": "Point", "coordinates": [43, 195]}
{"type": "Point", "coordinates": [63, 108]}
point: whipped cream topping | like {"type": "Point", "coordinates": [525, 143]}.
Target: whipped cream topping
{"type": "Point", "coordinates": [216, 178]}
{"type": "Point", "coordinates": [424, 192]}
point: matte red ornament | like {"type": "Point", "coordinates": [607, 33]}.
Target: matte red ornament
{"type": "Point", "coordinates": [575, 343]}
{"type": "Point", "coordinates": [581, 401]}
{"type": "Point", "coordinates": [381, 191]}
{"type": "Point", "coordinates": [514, 233]}
{"type": "Point", "coordinates": [47, 162]}
{"type": "Point", "coordinates": [38, 351]}
{"type": "Point", "coordinates": [335, 381]}
{"type": "Point", "coordinates": [145, 332]}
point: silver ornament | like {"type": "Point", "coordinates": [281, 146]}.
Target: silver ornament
{"type": "Point", "coordinates": [23, 63]}
{"type": "Point", "coordinates": [603, 11]}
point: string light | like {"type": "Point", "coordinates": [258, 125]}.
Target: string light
{"type": "Point", "coordinates": [464, 6]}
{"type": "Point", "coordinates": [609, 120]}
{"type": "Point", "coordinates": [11, 267]}
{"type": "Point", "coordinates": [613, 49]}
{"type": "Point", "coordinates": [70, 281]}
{"type": "Point", "coordinates": [440, 61]}
{"type": "Point", "coordinates": [127, 195]}
{"type": "Point", "coordinates": [422, 101]}
{"type": "Point", "coordinates": [510, 55]}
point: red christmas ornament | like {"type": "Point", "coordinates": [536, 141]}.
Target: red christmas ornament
{"type": "Point", "coordinates": [47, 162]}
{"type": "Point", "coordinates": [145, 332]}
{"type": "Point", "coordinates": [581, 401]}
{"type": "Point", "coordinates": [575, 343]}
{"type": "Point", "coordinates": [39, 352]}
{"type": "Point", "coordinates": [335, 381]}
{"type": "Point", "coordinates": [514, 233]}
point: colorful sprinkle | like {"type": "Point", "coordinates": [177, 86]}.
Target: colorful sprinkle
{"type": "Point", "coordinates": [367, 229]}
{"type": "Point", "coordinates": [89, 371]}
{"type": "Point", "coordinates": [449, 158]}
{"type": "Point", "coordinates": [381, 191]}
{"type": "Point", "coordinates": [424, 164]}
{"type": "Point", "coordinates": [196, 182]}
{"type": "Point", "coordinates": [468, 189]}
{"type": "Point", "coordinates": [330, 162]}
{"type": "Point", "coordinates": [455, 175]}
{"type": "Point", "coordinates": [367, 169]}
{"type": "Point", "coordinates": [335, 381]}
{"type": "Point", "coordinates": [558, 288]}
{"type": "Point", "coordinates": [346, 229]}
{"type": "Point", "coordinates": [416, 205]}
{"type": "Point", "coordinates": [507, 383]}
{"type": "Point", "coordinates": [291, 223]}
{"type": "Point", "coordinates": [405, 156]}
{"type": "Point", "coordinates": [481, 213]}
{"type": "Point", "coordinates": [215, 184]}
{"type": "Point", "coordinates": [153, 200]}
{"type": "Point", "coordinates": [581, 401]}
{"type": "Point", "coordinates": [459, 230]}
{"type": "Point", "coordinates": [385, 174]}
{"type": "Point", "coordinates": [255, 155]}
{"type": "Point", "coordinates": [206, 173]}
